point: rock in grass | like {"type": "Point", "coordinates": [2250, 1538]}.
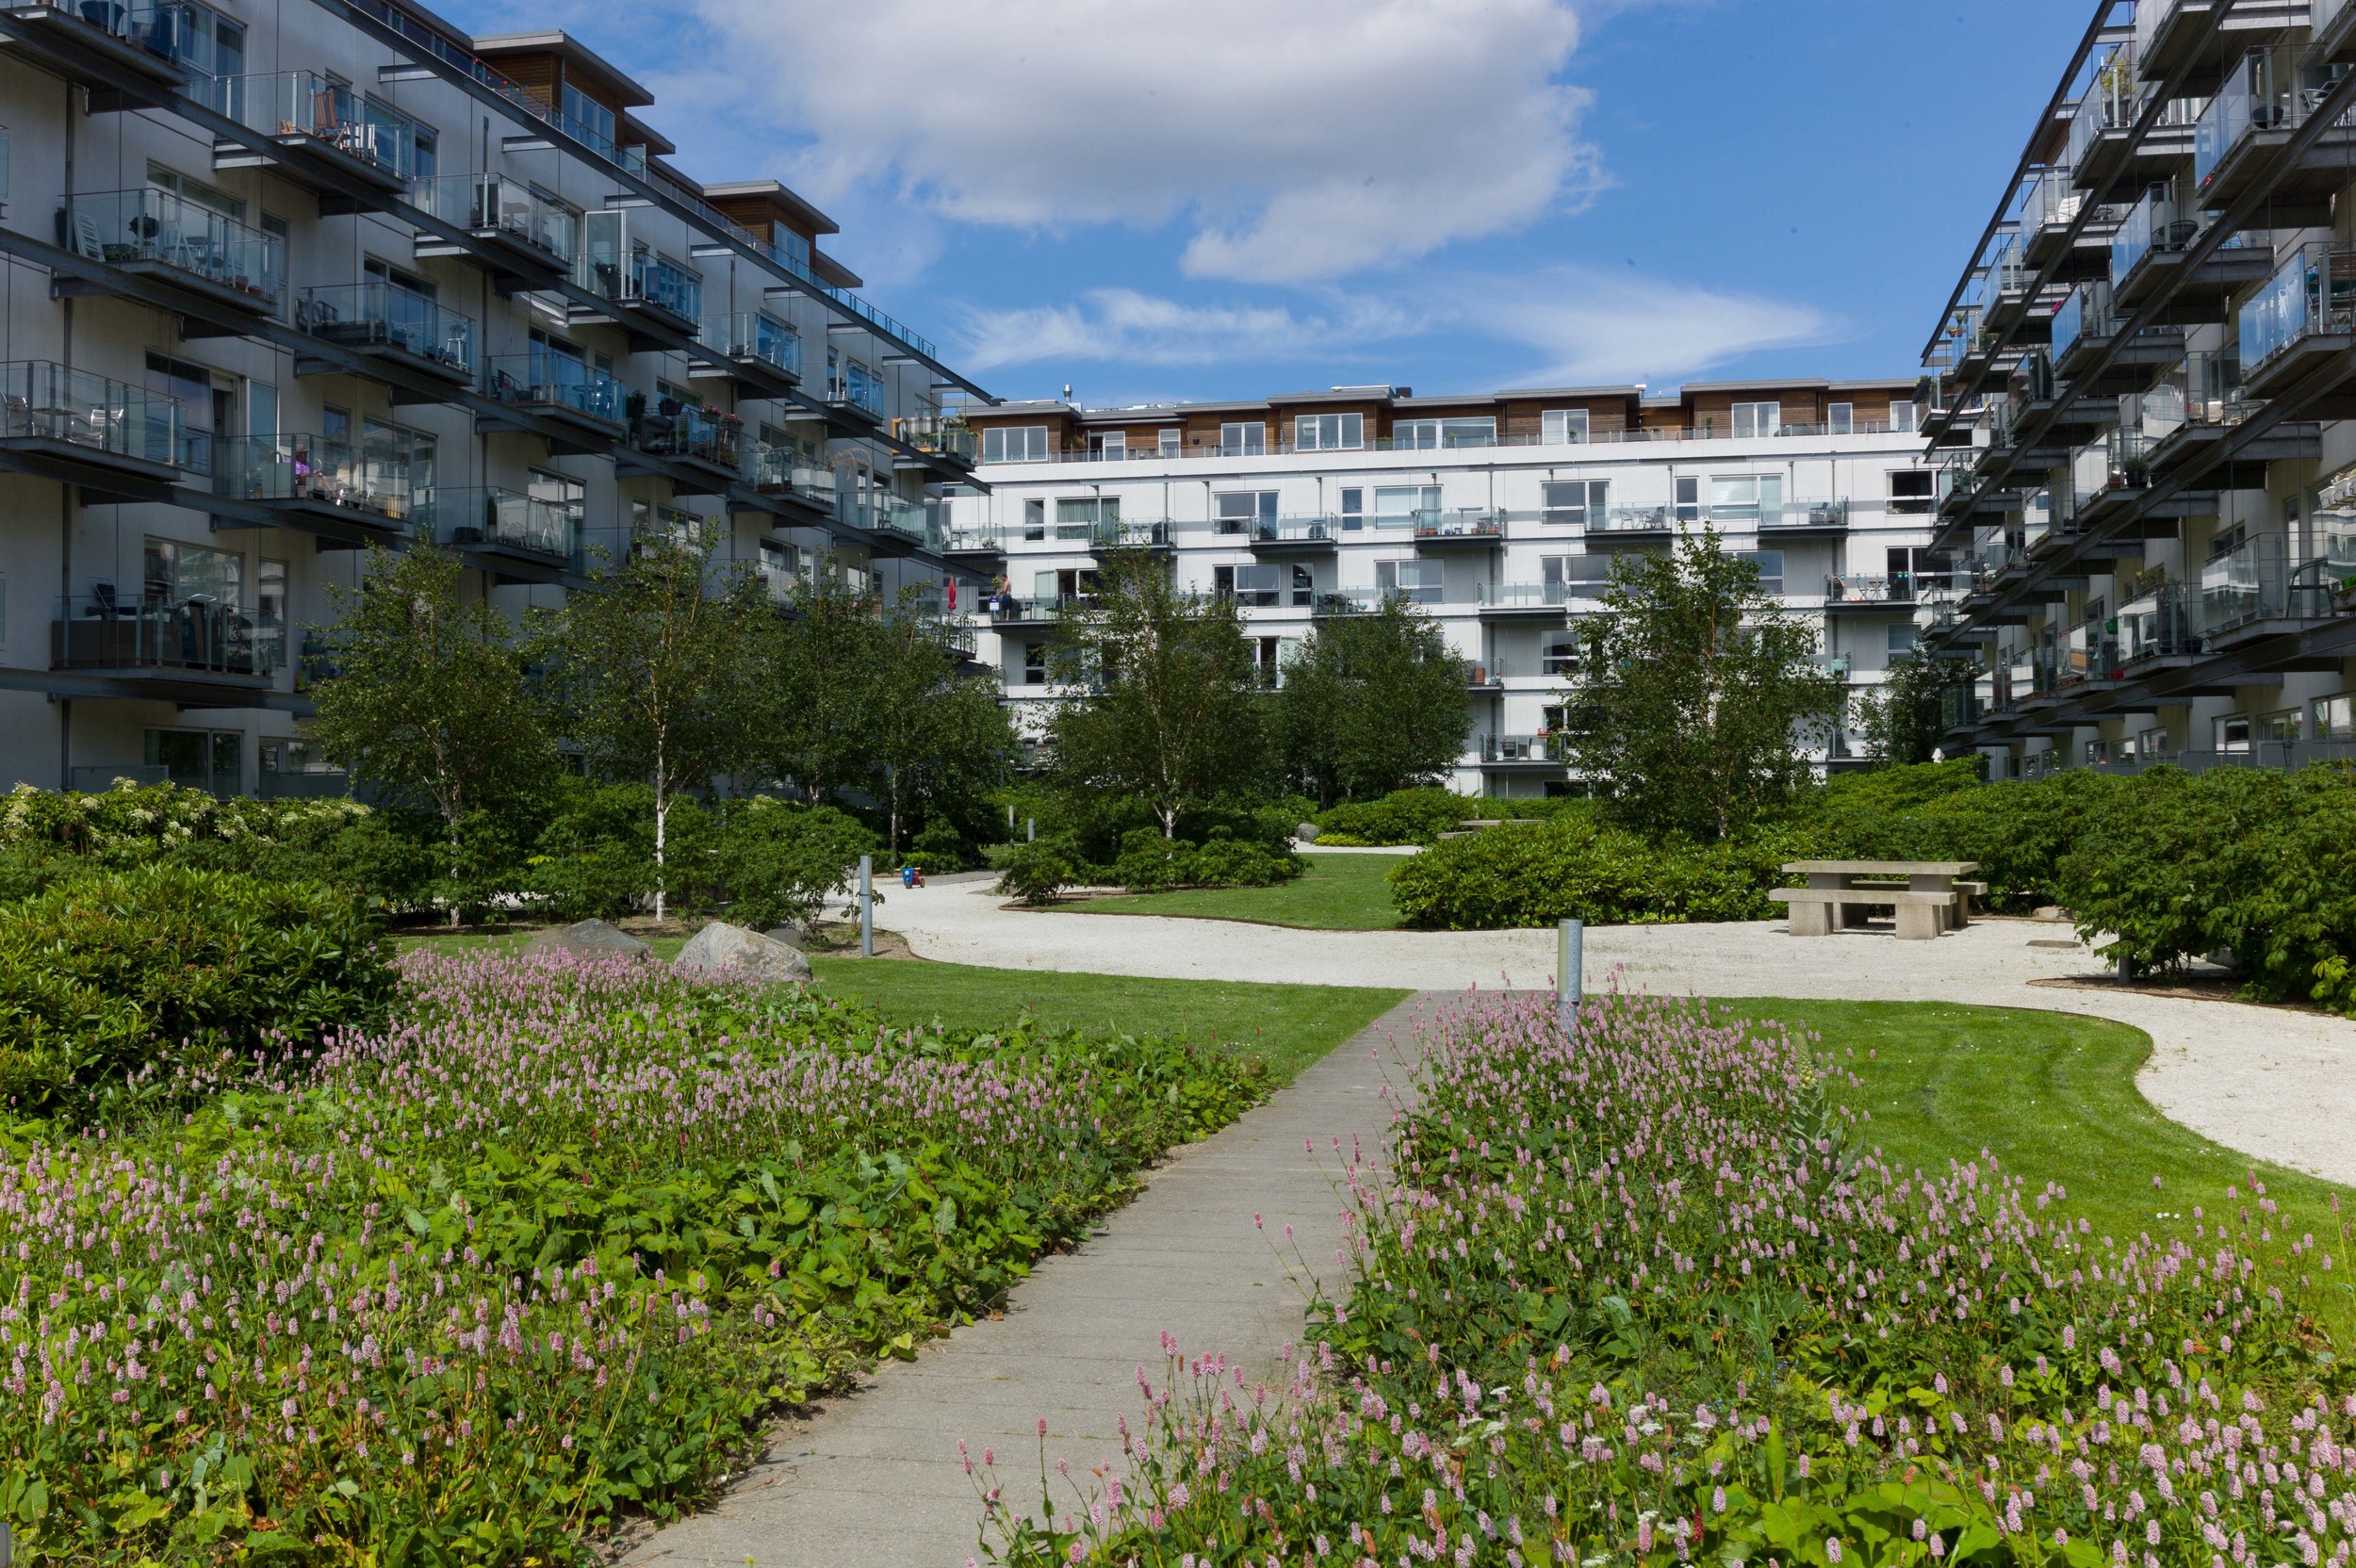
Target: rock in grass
{"type": "Point", "coordinates": [590, 939]}
{"type": "Point", "coordinates": [722, 949]}
{"type": "Point", "coordinates": [791, 936]}
{"type": "Point", "coordinates": [1306, 833]}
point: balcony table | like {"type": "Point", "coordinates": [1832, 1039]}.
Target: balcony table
{"type": "Point", "coordinates": [1929, 903]}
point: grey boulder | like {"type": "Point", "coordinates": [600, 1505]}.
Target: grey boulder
{"type": "Point", "coordinates": [1306, 833]}
{"type": "Point", "coordinates": [791, 936]}
{"type": "Point", "coordinates": [590, 939]}
{"type": "Point", "coordinates": [721, 949]}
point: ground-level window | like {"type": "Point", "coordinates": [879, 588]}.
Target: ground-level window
{"type": "Point", "coordinates": [206, 759]}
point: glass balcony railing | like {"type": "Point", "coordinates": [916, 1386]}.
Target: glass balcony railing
{"type": "Point", "coordinates": [499, 206]}
{"type": "Point", "coordinates": [635, 275]}
{"type": "Point", "coordinates": [156, 231]}
{"type": "Point", "coordinates": [350, 478]}
{"type": "Point", "coordinates": [1466, 523]}
{"type": "Point", "coordinates": [2091, 653]}
{"type": "Point", "coordinates": [554, 384]}
{"type": "Point", "coordinates": [41, 400]}
{"type": "Point", "coordinates": [910, 520]}
{"type": "Point", "coordinates": [701, 434]}
{"type": "Point", "coordinates": [195, 633]}
{"type": "Point", "coordinates": [2112, 102]}
{"type": "Point", "coordinates": [1538, 595]}
{"type": "Point", "coordinates": [767, 469]}
{"type": "Point", "coordinates": [2203, 389]}
{"type": "Point", "coordinates": [1295, 530]}
{"type": "Point", "coordinates": [936, 432]}
{"type": "Point", "coordinates": [2161, 623]}
{"type": "Point", "coordinates": [329, 112]}
{"type": "Point", "coordinates": [2314, 293]}
{"type": "Point", "coordinates": [2151, 225]}
{"type": "Point", "coordinates": [387, 316]}
{"type": "Point", "coordinates": [2258, 580]}
{"type": "Point", "coordinates": [489, 518]}
{"type": "Point", "coordinates": [2276, 88]}
{"type": "Point", "coordinates": [855, 386]}
{"type": "Point", "coordinates": [1524, 748]}
{"type": "Point", "coordinates": [756, 335]}
{"type": "Point", "coordinates": [2054, 202]}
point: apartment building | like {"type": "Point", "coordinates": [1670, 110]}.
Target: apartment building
{"type": "Point", "coordinates": [1501, 515]}
{"type": "Point", "coordinates": [2143, 403]}
{"type": "Point", "coordinates": [285, 281]}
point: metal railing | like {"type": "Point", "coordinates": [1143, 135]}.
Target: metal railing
{"type": "Point", "coordinates": [2162, 623]}
{"type": "Point", "coordinates": [1633, 519]}
{"type": "Point", "coordinates": [1209, 449]}
{"type": "Point", "coordinates": [1552, 749]}
{"type": "Point", "coordinates": [387, 316]}
{"type": "Point", "coordinates": [326, 110]}
{"type": "Point", "coordinates": [153, 228]}
{"type": "Point", "coordinates": [2276, 88]}
{"type": "Point", "coordinates": [554, 381]}
{"type": "Point", "coordinates": [2257, 580]}
{"type": "Point", "coordinates": [987, 537]}
{"type": "Point", "coordinates": [497, 204]}
{"type": "Point", "coordinates": [96, 631]}
{"type": "Point", "coordinates": [1466, 523]}
{"type": "Point", "coordinates": [639, 276]}
{"type": "Point", "coordinates": [2312, 293]}
{"type": "Point", "coordinates": [691, 433]}
{"type": "Point", "coordinates": [40, 400]}
{"type": "Point", "coordinates": [2151, 225]}
{"type": "Point", "coordinates": [753, 335]}
{"type": "Point", "coordinates": [935, 433]}
{"type": "Point", "coordinates": [1535, 596]}
{"type": "Point", "coordinates": [1800, 514]}
{"type": "Point", "coordinates": [1295, 530]}
{"type": "Point", "coordinates": [492, 518]}
{"type": "Point", "coordinates": [2201, 389]}
{"type": "Point", "coordinates": [855, 386]}
{"type": "Point", "coordinates": [312, 469]}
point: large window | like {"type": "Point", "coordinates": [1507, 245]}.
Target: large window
{"type": "Point", "coordinates": [589, 121]}
{"type": "Point", "coordinates": [1575, 577]}
{"type": "Point", "coordinates": [1401, 505]}
{"type": "Point", "coordinates": [1905, 416]}
{"type": "Point", "coordinates": [1746, 500]}
{"type": "Point", "coordinates": [177, 573]}
{"type": "Point", "coordinates": [1167, 441]}
{"type": "Point", "coordinates": [1558, 655]}
{"type": "Point", "coordinates": [1758, 419]}
{"type": "Point", "coordinates": [1077, 517]}
{"type": "Point", "coordinates": [1689, 499]}
{"type": "Point", "coordinates": [1563, 426]}
{"type": "Point", "coordinates": [1015, 444]}
{"type": "Point", "coordinates": [1330, 433]}
{"type": "Point", "coordinates": [210, 760]}
{"type": "Point", "coordinates": [1259, 587]}
{"type": "Point", "coordinates": [1243, 440]}
{"type": "Point", "coordinates": [1353, 509]}
{"type": "Point", "coordinates": [1574, 501]}
{"type": "Point", "coordinates": [1841, 419]}
{"type": "Point", "coordinates": [1111, 446]}
{"type": "Point", "coordinates": [1432, 434]}
{"type": "Point", "coordinates": [1416, 581]}
{"type": "Point", "coordinates": [1770, 564]}
{"type": "Point", "coordinates": [1242, 510]}
{"type": "Point", "coordinates": [1910, 491]}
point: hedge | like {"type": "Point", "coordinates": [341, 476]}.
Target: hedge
{"type": "Point", "coordinates": [1579, 868]}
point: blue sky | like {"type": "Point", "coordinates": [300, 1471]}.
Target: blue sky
{"type": "Point", "coordinates": [1238, 197]}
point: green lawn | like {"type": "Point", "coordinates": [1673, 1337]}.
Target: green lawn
{"type": "Point", "coordinates": [2053, 1096]}
{"type": "Point", "coordinates": [1288, 1026]}
{"type": "Point", "coordinates": [1338, 892]}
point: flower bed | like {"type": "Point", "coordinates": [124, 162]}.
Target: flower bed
{"type": "Point", "coordinates": [1651, 1297]}
{"type": "Point", "coordinates": [543, 1252]}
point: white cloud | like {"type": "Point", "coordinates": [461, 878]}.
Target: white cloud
{"type": "Point", "coordinates": [1574, 326]}
{"type": "Point", "coordinates": [1300, 139]}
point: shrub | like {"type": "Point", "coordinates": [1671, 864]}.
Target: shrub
{"type": "Point", "coordinates": [108, 975]}
{"type": "Point", "coordinates": [1036, 871]}
{"type": "Point", "coordinates": [939, 847]}
{"type": "Point", "coordinates": [1404, 817]}
{"type": "Point", "coordinates": [1224, 862]}
{"type": "Point", "coordinates": [773, 862]}
{"type": "Point", "coordinates": [1577, 868]}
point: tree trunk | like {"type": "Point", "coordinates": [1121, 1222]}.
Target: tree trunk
{"type": "Point", "coordinates": [661, 820]}
{"type": "Point", "coordinates": [450, 821]}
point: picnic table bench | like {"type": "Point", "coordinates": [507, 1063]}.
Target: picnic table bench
{"type": "Point", "coordinates": [1929, 896]}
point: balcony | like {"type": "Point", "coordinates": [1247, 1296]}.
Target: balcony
{"type": "Point", "coordinates": [2333, 26]}
{"type": "Point", "coordinates": [642, 286]}
{"type": "Point", "coordinates": [1295, 536]}
{"type": "Point", "coordinates": [395, 325]}
{"type": "Point", "coordinates": [1634, 522]}
{"type": "Point", "coordinates": [1862, 592]}
{"type": "Point", "coordinates": [2091, 655]}
{"type": "Point", "coordinates": [1504, 752]}
{"type": "Point", "coordinates": [354, 494]}
{"type": "Point", "coordinates": [2251, 588]}
{"type": "Point", "coordinates": [121, 52]}
{"type": "Point", "coordinates": [154, 235]}
{"type": "Point", "coordinates": [513, 229]}
{"type": "Point", "coordinates": [2102, 124]}
{"type": "Point", "coordinates": [704, 441]}
{"type": "Point", "coordinates": [984, 547]}
{"type": "Point", "coordinates": [562, 391]}
{"type": "Point", "coordinates": [196, 641]}
{"type": "Point", "coordinates": [1334, 606]}
{"type": "Point", "coordinates": [2160, 622]}
{"type": "Point", "coordinates": [2303, 319]}
{"type": "Point", "coordinates": [854, 391]}
{"type": "Point", "coordinates": [1547, 603]}
{"type": "Point", "coordinates": [327, 135]}
{"type": "Point", "coordinates": [1838, 665]}
{"type": "Point", "coordinates": [939, 435]}
{"type": "Point", "coordinates": [1010, 610]}
{"type": "Point", "coordinates": [1800, 518]}
{"type": "Point", "coordinates": [1469, 528]}
{"type": "Point", "coordinates": [507, 525]}
{"type": "Point", "coordinates": [2240, 141]}
{"type": "Point", "coordinates": [79, 429]}
{"type": "Point", "coordinates": [751, 341]}
{"type": "Point", "coordinates": [904, 523]}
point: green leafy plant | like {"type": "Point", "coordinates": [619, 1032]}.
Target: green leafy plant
{"type": "Point", "coordinates": [1036, 871]}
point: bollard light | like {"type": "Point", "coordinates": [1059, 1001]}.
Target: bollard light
{"type": "Point", "coordinates": [1569, 971]}
{"type": "Point", "coordinates": [866, 907]}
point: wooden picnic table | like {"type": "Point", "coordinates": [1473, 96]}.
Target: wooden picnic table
{"type": "Point", "coordinates": [1929, 895]}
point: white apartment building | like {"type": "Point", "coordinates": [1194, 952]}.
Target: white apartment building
{"type": "Point", "coordinates": [1501, 515]}
{"type": "Point", "coordinates": [283, 281]}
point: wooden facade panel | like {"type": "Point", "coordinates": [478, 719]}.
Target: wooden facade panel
{"type": "Point", "coordinates": [535, 73]}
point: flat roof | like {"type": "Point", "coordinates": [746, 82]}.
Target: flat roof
{"type": "Point", "coordinates": [810, 217]}
{"type": "Point", "coordinates": [1403, 399]}
{"type": "Point", "coordinates": [574, 54]}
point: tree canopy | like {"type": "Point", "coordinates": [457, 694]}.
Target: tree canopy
{"type": "Point", "coordinates": [1371, 704]}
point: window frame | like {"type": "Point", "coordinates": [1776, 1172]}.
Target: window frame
{"type": "Point", "coordinates": [1348, 432]}
{"type": "Point", "coordinates": [1751, 412]}
{"type": "Point", "coordinates": [1565, 420]}
{"type": "Point", "coordinates": [1034, 443]}
{"type": "Point", "coordinates": [1243, 438]}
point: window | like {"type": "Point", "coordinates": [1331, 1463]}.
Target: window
{"type": "Point", "coordinates": [1746, 500]}
{"type": "Point", "coordinates": [1256, 586]}
{"type": "Point", "coordinates": [1035, 518]}
{"type": "Point", "coordinates": [1416, 581]}
{"type": "Point", "coordinates": [1574, 501]}
{"type": "Point", "coordinates": [1243, 440]}
{"type": "Point", "coordinates": [1575, 577]}
{"type": "Point", "coordinates": [175, 573]}
{"type": "Point", "coordinates": [1241, 512]}
{"type": "Point", "coordinates": [1902, 638]}
{"type": "Point", "coordinates": [1770, 564]}
{"type": "Point", "coordinates": [2235, 734]}
{"type": "Point", "coordinates": [1329, 432]}
{"type": "Point", "coordinates": [1077, 517]}
{"type": "Point", "coordinates": [1563, 426]}
{"type": "Point", "coordinates": [1558, 655]}
{"type": "Point", "coordinates": [1112, 444]}
{"type": "Point", "coordinates": [269, 615]}
{"type": "Point", "coordinates": [588, 119]}
{"type": "Point", "coordinates": [1399, 505]}
{"type": "Point", "coordinates": [1035, 663]}
{"type": "Point", "coordinates": [1689, 499]}
{"type": "Point", "coordinates": [1757, 419]}
{"type": "Point", "coordinates": [1304, 587]}
{"type": "Point", "coordinates": [1841, 419]}
{"type": "Point", "coordinates": [1905, 416]}
{"type": "Point", "coordinates": [192, 384]}
{"type": "Point", "coordinates": [2336, 718]}
{"type": "Point", "coordinates": [1169, 442]}
{"type": "Point", "coordinates": [1353, 509]}
{"type": "Point", "coordinates": [1429, 434]}
{"type": "Point", "coordinates": [196, 192]}
{"type": "Point", "coordinates": [1015, 444]}
{"type": "Point", "coordinates": [206, 759]}
{"type": "Point", "coordinates": [1910, 491]}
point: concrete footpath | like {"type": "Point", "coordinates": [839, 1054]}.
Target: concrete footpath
{"type": "Point", "coordinates": [873, 1481]}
